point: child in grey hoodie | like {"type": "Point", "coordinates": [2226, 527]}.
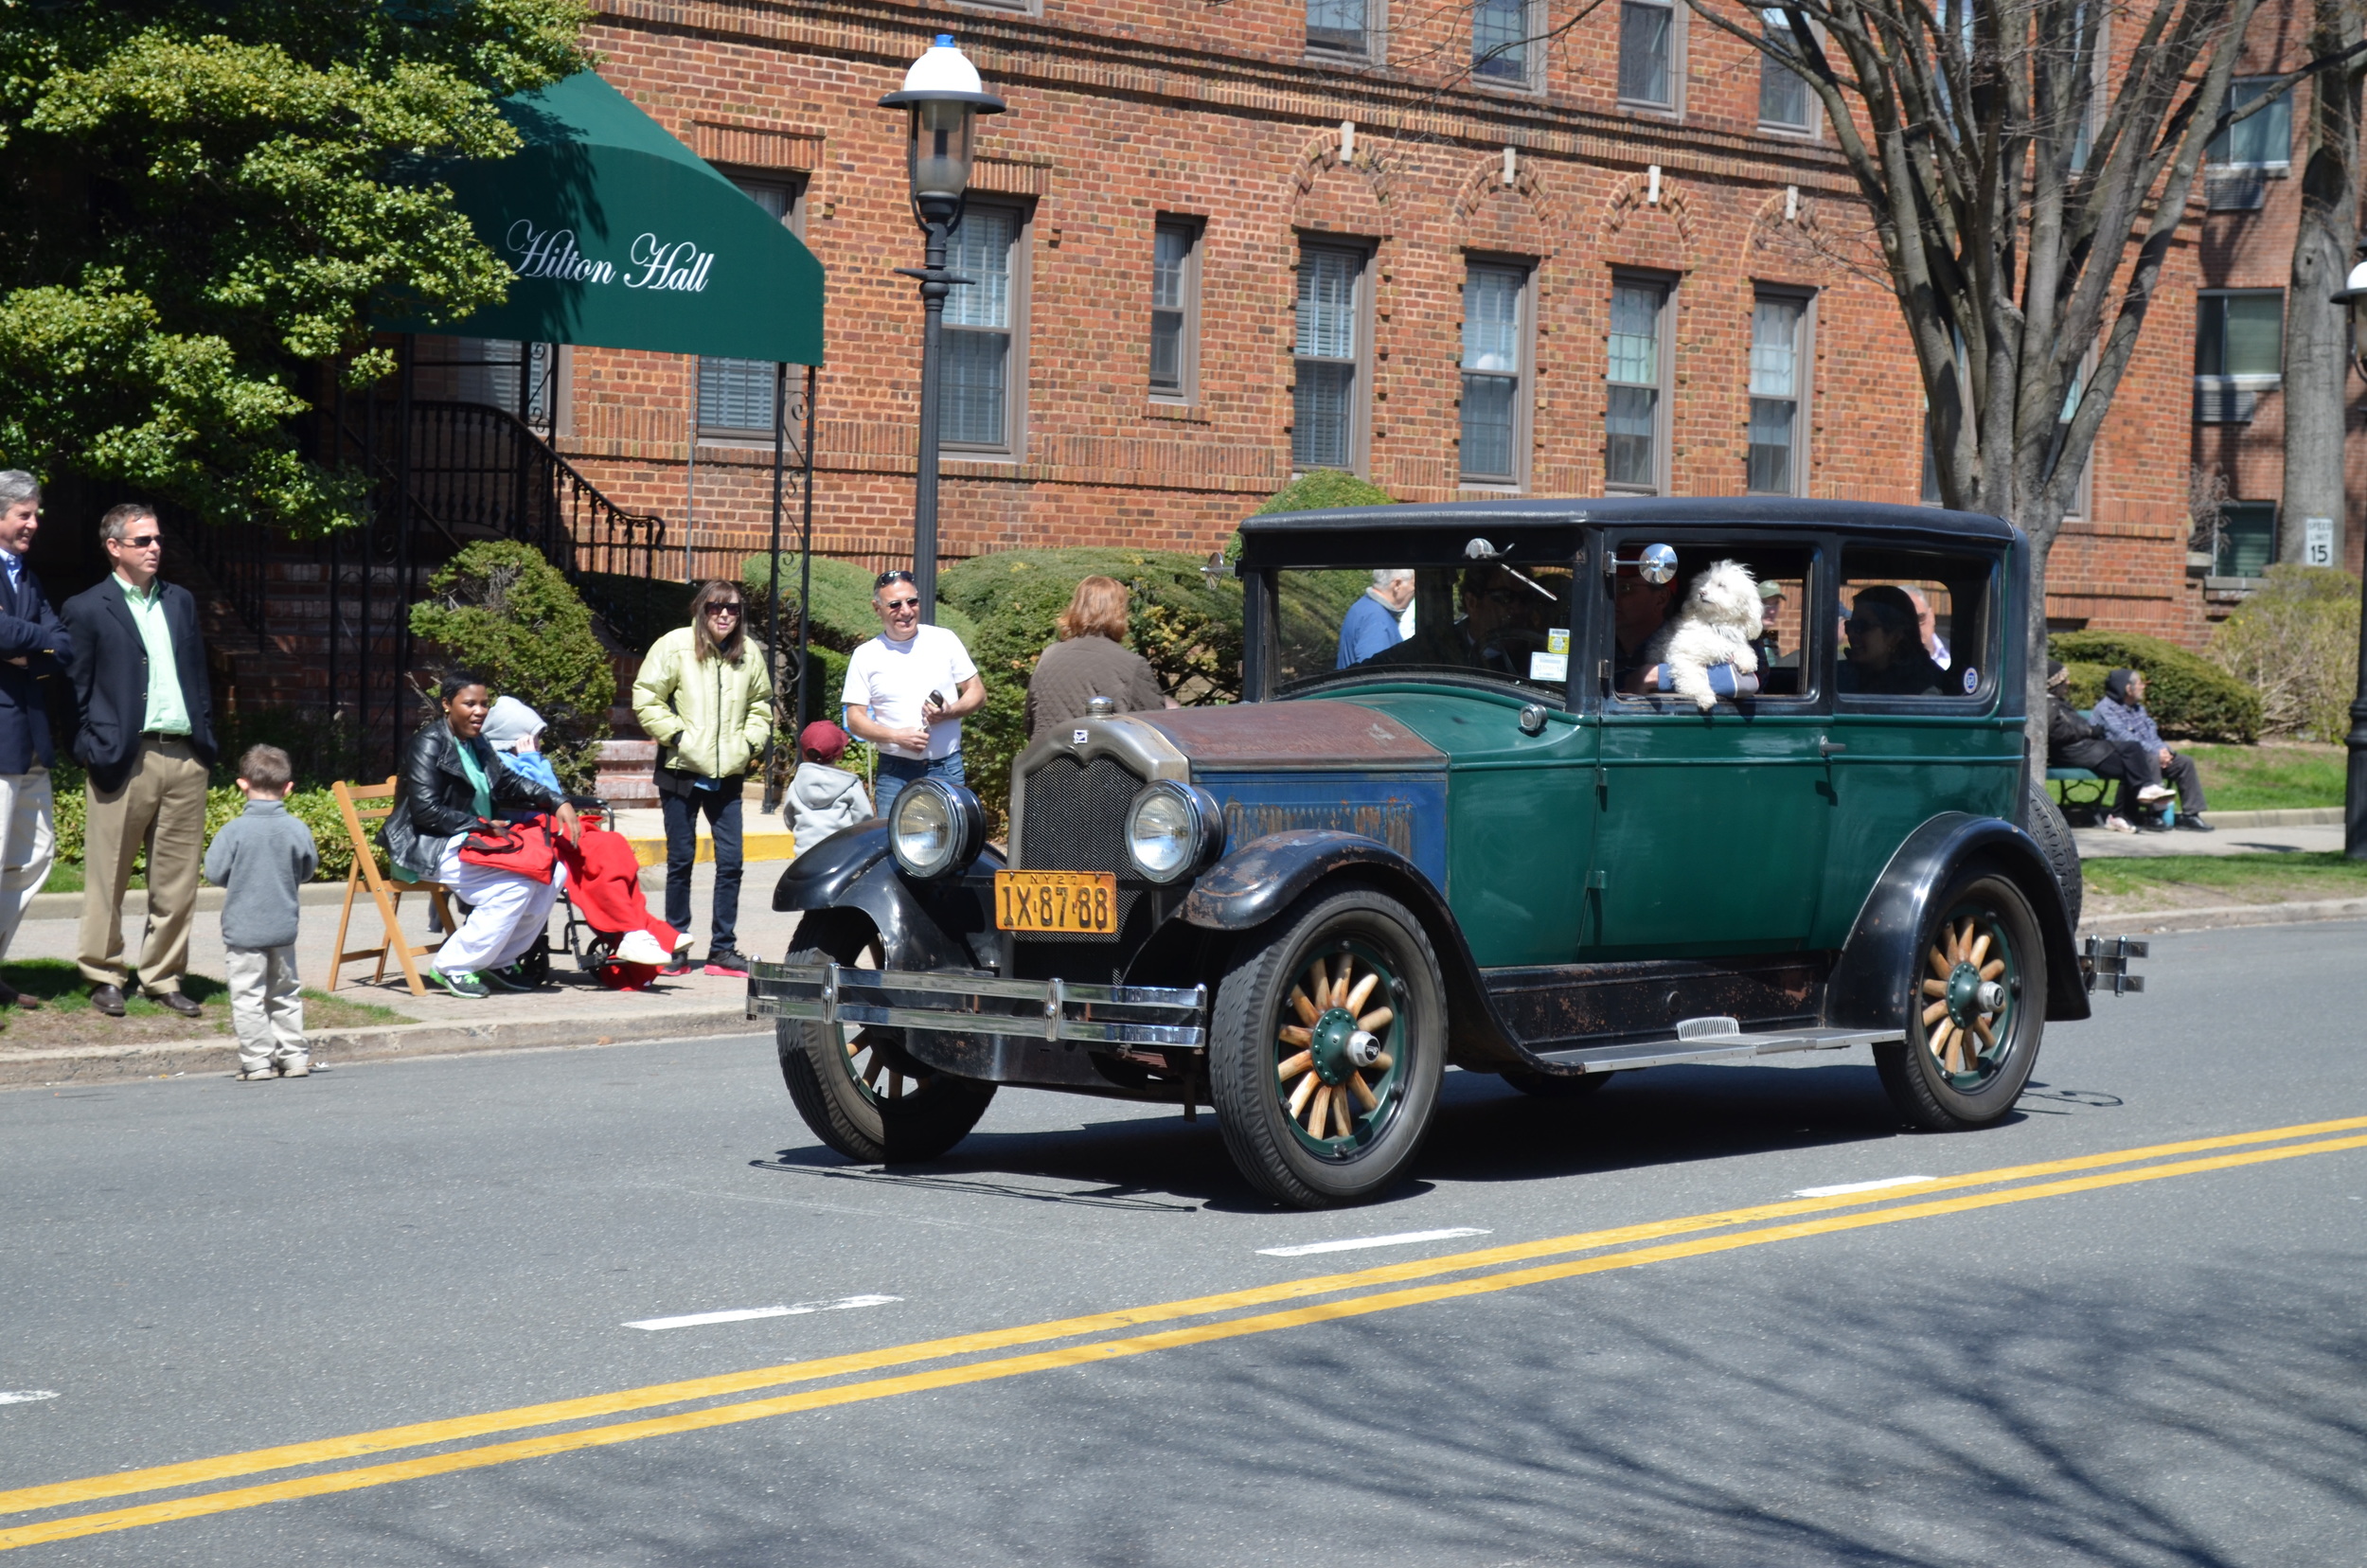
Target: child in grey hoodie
{"type": "Point", "coordinates": [824, 798]}
{"type": "Point", "coordinates": [259, 860]}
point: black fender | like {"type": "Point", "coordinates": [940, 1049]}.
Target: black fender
{"type": "Point", "coordinates": [920, 925]}
{"type": "Point", "coordinates": [1870, 984]}
{"type": "Point", "coordinates": [1259, 881]}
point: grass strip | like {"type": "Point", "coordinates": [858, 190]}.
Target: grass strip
{"type": "Point", "coordinates": [2239, 878]}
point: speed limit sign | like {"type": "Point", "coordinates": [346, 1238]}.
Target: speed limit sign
{"type": "Point", "coordinates": [2318, 541]}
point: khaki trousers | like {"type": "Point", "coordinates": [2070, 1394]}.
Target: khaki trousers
{"type": "Point", "coordinates": [161, 803]}
{"type": "Point", "coordinates": [27, 845]}
{"type": "Point", "coordinates": [265, 1007]}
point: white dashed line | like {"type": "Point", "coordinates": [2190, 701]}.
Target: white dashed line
{"type": "Point", "coordinates": [743, 1314]}
{"type": "Point", "coordinates": [1403, 1238]}
{"type": "Point", "coordinates": [1857, 1187]}
{"type": "Point", "coordinates": [26, 1395]}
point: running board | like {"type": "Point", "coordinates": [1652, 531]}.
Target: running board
{"type": "Point", "coordinates": [1713, 1039]}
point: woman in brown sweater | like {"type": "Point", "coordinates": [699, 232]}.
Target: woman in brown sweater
{"type": "Point", "coordinates": [1090, 660]}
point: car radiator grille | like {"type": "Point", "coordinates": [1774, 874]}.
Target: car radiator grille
{"type": "Point", "coordinates": [1075, 820]}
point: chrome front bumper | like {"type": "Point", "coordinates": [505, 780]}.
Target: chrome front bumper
{"type": "Point", "coordinates": [977, 1004]}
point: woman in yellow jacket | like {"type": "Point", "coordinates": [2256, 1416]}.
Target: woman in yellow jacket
{"type": "Point", "coordinates": [705, 696]}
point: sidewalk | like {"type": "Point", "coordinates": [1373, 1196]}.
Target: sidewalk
{"type": "Point", "coordinates": [2239, 834]}
{"type": "Point", "coordinates": [573, 1010]}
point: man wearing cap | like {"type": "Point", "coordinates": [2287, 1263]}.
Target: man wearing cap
{"type": "Point", "coordinates": [824, 797]}
{"type": "Point", "coordinates": [907, 690]}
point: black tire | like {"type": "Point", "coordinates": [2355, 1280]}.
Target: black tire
{"type": "Point", "coordinates": [1556, 1086]}
{"type": "Point", "coordinates": [2054, 834]}
{"type": "Point", "coordinates": [1358, 934]}
{"type": "Point", "coordinates": [875, 1112]}
{"type": "Point", "coordinates": [1949, 1076]}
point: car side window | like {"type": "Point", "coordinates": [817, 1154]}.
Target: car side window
{"type": "Point", "coordinates": [1493, 618]}
{"type": "Point", "coordinates": [1918, 624]}
{"type": "Point", "coordinates": [1732, 624]}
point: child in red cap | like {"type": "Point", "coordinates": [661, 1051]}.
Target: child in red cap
{"type": "Point", "coordinates": [824, 797]}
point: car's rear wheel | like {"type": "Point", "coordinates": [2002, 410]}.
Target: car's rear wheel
{"type": "Point", "coordinates": [1327, 1045]}
{"type": "Point", "coordinates": [861, 1094]}
{"type": "Point", "coordinates": [1555, 1086]}
{"type": "Point", "coordinates": [2054, 836]}
{"type": "Point", "coordinates": [1976, 1009]}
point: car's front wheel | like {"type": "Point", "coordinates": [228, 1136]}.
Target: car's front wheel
{"type": "Point", "coordinates": [1976, 1007]}
{"type": "Point", "coordinates": [1327, 1045]}
{"type": "Point", "coordinates": [861, 1095]}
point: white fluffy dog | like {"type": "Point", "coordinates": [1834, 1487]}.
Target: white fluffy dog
{"type": "Point", "coordinates": [1716, 626]}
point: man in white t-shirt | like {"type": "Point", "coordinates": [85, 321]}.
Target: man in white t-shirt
{"type": "Point", "coordinates": [906, 691]}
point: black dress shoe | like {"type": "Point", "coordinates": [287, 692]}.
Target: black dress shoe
{"type": "Point", "coordinates": [178, 1003]}
{"type": "Point", "coordinates": [11, 997]}
{"type": "Point", "coordinates": [107, 999]}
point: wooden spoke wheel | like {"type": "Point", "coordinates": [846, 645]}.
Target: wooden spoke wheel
{"type": "Point", "coordinates": [1975, 1009]}
{"type": "Point", "coordinates": [861, 1093]}
{"type": "Point", "coordinates": [1327, 1043]}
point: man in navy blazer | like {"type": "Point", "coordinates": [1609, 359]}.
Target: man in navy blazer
{"type": "Point", "coordinates": [147, 735]}
{"type": "Point", "coordinates": [33, 643]}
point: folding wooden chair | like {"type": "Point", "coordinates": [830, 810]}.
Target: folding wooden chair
{"type": "Point", "coordinates": [371, 804]}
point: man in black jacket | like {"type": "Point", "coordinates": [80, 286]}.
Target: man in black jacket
{"type": "Point", "coordinates": [33, 643]}
{"type": "Point", "coordinates": [2076, 742]}
{"type": "Point", "coordinates": [147, 737]}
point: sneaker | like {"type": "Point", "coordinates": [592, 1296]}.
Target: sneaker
{"type": "Point", "coordinates": [680, 963]}
{"type": "Point", "coordinates": [505, 978]}
{"type": "Point", "coordinates": [2152, 793]}
{"type": "Point", "coordinates": [295, 1069]}
{"type": "Point", "coordinates": [2194, 824]}
{"type": "Point", "coordinates": [463, 984]}
{"type": "Point", "coordinates": [724, 963]}
{"type": "Point", "coordinates": [259, 1076]}
{"type": "Point", "coordinates": [639, 947]}
{"type": "Point", "coordinates": [2120, 825]}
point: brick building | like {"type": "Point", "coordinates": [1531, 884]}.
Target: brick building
{"type": "Point", "coordinates": [1220, 241]}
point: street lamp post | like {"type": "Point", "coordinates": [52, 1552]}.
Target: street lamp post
{"type": "Point", "coordinates": [2353, 293]}
{"type": "Point", "coordinates": [944, 99]}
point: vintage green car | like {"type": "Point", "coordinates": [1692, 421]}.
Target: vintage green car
{"type": "Point", "coordinates": [1466, 815]}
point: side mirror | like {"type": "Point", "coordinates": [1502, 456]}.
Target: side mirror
{"type": "Point", "coordinates": [1656, 565]}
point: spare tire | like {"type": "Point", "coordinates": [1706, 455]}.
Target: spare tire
{"type": "Point", "coordinates": [2062, 850]}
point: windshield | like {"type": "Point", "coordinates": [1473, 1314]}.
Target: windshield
{"type": "Point", "coordinates": [1486, 619]}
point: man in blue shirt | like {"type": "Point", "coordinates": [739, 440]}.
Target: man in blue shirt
{"type": "Point", "coordinates": [33, 643]}
{"type": "Point", "coordinates": [1371, 625]}
{"type": "Point", "coordinates": [2121, 713]}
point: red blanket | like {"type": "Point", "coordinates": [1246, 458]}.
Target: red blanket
{"type": "Point", "coordinates": [604, 884]}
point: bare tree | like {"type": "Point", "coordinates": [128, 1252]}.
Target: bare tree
{"type": "Point", "coordinates": [2317, 362]}
{"type": "Point", "coordinates": [2025, 172]}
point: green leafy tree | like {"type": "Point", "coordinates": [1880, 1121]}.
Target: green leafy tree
{"type": "Point", "coordinates": [203, 199]}
{"type": "Point", "coordinates": [500, 611]}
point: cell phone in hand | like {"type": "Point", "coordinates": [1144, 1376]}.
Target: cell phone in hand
{"type": "Point", "coordinates": [936, 699]}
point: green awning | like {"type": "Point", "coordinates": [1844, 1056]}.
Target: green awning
{"type": "Point", "coordinates": [620, 237]}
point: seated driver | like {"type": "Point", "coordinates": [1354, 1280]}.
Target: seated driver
{"type": "Point", "coordinates": [1498, 604]}
{"type": "Point", "coordinates": [1885, 656]}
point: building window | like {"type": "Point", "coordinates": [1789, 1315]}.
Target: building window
{"type": "Point", "coordinates": [1341, 27]}
{"type": "Point", "coordinates": [736, 395]}
{"type": "Point", "coordinates": [1175, 310]}
{"type": "Point", "coordinates": [1502, 42]}
{"type": "Point", "coordinates": [1784, 102]}
{"type": "Point", "coordinates": [1647, 49]}
{"type": "Point", "coordinates": [1325, 426]}
{"type": "Point", "coordinates": [2248, 539]}
{"type": "Point", "coordinates": [2240, 334]}
{"type": "Point", "coordinates": [2263, 141]}
{"type": "Point", "coordinates": [975, 397]}
{"type": "Point", "coordinates": [1634, 448]}
{"type": "Point", "coordinates": [1494, 370]}
{"type": "Point", "coordinates": [1779, 360]}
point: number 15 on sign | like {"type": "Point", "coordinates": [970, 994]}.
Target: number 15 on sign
{"type": "Point", "coordinates": [2318, 541]}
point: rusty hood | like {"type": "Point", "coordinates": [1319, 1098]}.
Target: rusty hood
{"type": "Point", "coordinates": [1307, 734]}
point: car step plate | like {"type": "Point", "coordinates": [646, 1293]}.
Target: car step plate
{"type": "Point", "coordinates": [1697, 1043]}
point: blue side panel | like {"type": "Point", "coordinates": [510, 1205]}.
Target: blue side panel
{"type": "Point", "coordinates": [1406, 811]}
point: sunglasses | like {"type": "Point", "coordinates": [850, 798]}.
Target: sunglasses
{"type": "Point", "coordinates": [893, 605]}
{"type": "Point", "coordinates": [893, 575]}
{"type": "Point", "coordinates": [140, 543]}
{"type": "Point", "coordinates": [722, 609]}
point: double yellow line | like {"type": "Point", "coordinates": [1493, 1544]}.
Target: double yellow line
{"type": "Point", "coordinates": [1359, 1293]}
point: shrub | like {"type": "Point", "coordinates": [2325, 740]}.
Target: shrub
{"type": "Point", "coordinates": [502, 611]}
{"type": "Point", "coordinates": [2188, 696]}
{"type": "Point", "coordinates": [2295, 641]}
{"type": "Point", "coordinates": [1189, 628]}
{"type": "Point", "coordinates": [317, 808]}
{"type": "Point", "coordinates": [2086, 683]}
{"type": "Point", "coordinates": [1322, 489]}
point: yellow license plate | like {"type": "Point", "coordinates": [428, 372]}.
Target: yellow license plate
{"type": "Point", "coordinates": [1082, 903]}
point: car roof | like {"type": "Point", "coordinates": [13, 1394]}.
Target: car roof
{"type": "Point", "coordinates": [1764, 511]}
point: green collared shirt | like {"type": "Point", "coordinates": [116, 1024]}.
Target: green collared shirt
{"type": "Point", "coordinates": [168, 713]}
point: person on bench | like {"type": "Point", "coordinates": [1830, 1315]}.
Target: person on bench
{"type": "Point", "coordinates": [2121, 712]}
{"type": "Point", "coordinates": [2076, 742]}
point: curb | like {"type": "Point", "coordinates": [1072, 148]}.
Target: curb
{"type": "Point", "coordinates": [164, 1058]}
{"type": "Point", "coordinates": [2218, 915]}
{"type": "Point", "coordinates": [2293, 816]}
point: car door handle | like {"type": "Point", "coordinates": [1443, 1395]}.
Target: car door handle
{"type": "Point", "coordinates": [1827, 750]}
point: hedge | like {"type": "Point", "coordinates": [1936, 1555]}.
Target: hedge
{"type": "Point", "coordinates": [317, 808]}
{"type": "Point", "coordinates": [2295, 640]}
{"type": "Point", "coordinates": [2189, 697]}
{"type": "Point", "coordinates": [1186, 627]}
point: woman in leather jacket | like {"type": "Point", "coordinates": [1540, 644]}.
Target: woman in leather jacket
{"type": "Point", "coordinates": [450, 782]}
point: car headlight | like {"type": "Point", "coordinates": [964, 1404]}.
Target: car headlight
{"type": "Point", "coordinates": [1172, 830]}
{"type": "Point", "coordinates": [935, 828]}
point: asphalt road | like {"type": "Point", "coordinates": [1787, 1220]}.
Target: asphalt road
{"type": "Point", "coordinates": [2148, 1357]}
